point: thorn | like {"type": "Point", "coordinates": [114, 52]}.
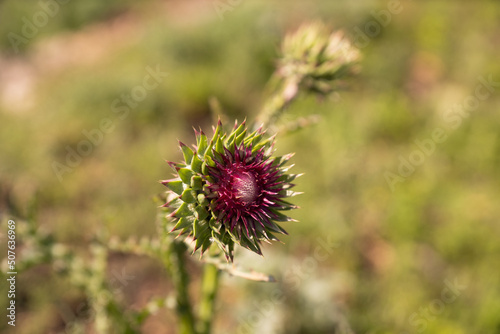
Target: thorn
{"type": "Point", "coordinates": [165, 182]}
{"type": "Point", "coordinates": [259, 129]}
{"type": "Point", "coordinates": [172, 164]}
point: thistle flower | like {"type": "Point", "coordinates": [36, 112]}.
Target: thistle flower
{"type": "Point", "coordinates": [230, 190]}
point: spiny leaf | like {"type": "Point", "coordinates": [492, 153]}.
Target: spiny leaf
{"type": "Point", "coordinates": [217, 130]}
{"type": "Point", "coordinates": [202, 144]}
{"type": "Point", "coordinates": [275, 227]}
{"type": "Point", "coordinates": [182, 223]}
{"type": "Point", "coordinates": [289, 177]}
{"type": "Point", "coordinates": [253, 246]}
{"type": "Point", "coordinates": [240, 129]}
{"type": "Point", "coordinates": [261, 145]}
{"type": "Point", "coordinates": [196, 182]}
{"type": "Point", "coordinates": [182, 211]}
{"type": "Point", "coordinates": [174, 185]}
{"type": "Point", "coordinates": [202, 199]}
{"type": "Point", "coordinates": [219, 147]}
{"type": "Point", "coordinates": [280, 161]}
{"type": "Point", "coordinates": [281, 217]}
{"type": "Point", "coordinates": [188, 196]}
{"type": "Point", "coordinates": [201, 213]}
{"type": "Point", "coordinates": [196, 164]}
{"type": "Point", "coordinates": [185, 175]}
{"type": "Point", "coordinates": [187, 152]}
{"type": "Point", "coordinates": [240, 138]}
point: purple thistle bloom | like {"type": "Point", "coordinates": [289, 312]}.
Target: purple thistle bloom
{"type": "Point", "coordinates": [230, 191]}
{"type": "Point", "coordinates": [246, 190]}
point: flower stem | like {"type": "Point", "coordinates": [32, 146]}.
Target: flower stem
{"type": "Point", "coordinates": [210, 283]}
{"type": "Point", "coordinates": [180, 279]}
{"type": "Point", "coordinates": [287, 91]}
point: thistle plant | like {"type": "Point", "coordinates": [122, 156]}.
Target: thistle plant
{"type": "Point", "coordinates": [230, 190]}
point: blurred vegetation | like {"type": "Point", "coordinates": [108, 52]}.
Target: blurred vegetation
{"type": "Point", "coordinates": [396, 249]}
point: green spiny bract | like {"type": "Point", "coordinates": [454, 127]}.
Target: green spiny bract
{"type": "Point", "coordinates": [230, 190]}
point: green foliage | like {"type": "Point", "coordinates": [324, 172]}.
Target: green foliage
{"type": "Point", "coordinates": [33, 20]}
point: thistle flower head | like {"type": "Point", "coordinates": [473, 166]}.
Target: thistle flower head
{"type": "Point", "coordinates": [230, 190]}
{"type": "Point", "coordinates": [318, 58]}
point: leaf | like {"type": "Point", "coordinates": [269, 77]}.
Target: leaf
{"type": "Point", "coordinates": [188, 196]}
{"type": "Point", "coordinates": [197, 182]}
{"type": "Point", "coordinates": [241, 129]}
{"type": "Point", "coordinates": [278, 216]}
{"type": "Point", "coordinates": [249, 244]}
{"type": "Point", "coordinates": [256, 140]}
{"type": "Point", "coordinates": [280, 161]}
{"type": "Point", "coordinates": [289, 177]}
{"type": "Point", "coordinates": [185, 175]}
{"type": "Point", "coordinates": [182, 211]}
{"type": "Point", "coordinates": [240, 138]}
{"type": "Point", "coordinates": [196, 164]}
{"type": "Point", "coordinates": [262, 144]}
{"type": "Point", "coordinates": [201, 213]}
{"type": "Point", "coordinates": [202, 199]}
{"type": "Point", "coordinates": [206, 244]}
{"type": "Point", "coordinates": [201, 233]}
{"type": "Point", "coordinates": [219, 147]}
{"type": "Point", "coordinates": [187, 152]}
{"type": "Point", "coordinates": [289, 193]}
{"type": "Point", "coordinates": [275, 227]}
{"type": "Point", "coordinates": [217, 130]}
{"type": "Point", "coordinates": [175, 185]}
{"type": "Point", "coordinates": [181, 224]}
{"type": "Point", "coordinates": [202, 144]}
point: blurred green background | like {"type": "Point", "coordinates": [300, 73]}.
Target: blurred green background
{"type": "Point", "coordinates": [420, 256]}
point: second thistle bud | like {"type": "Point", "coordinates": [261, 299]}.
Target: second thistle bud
{"type": "Point", "coordinates": [318, 58]}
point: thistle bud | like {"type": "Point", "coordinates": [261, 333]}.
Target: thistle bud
{"type": "Point", "coordinates": [317, 58]}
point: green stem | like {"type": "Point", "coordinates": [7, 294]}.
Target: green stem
{"type": "Point", "coordinates": [209, 287]}
{"type": "Point", "coordinates": [287, 91]}
{"type": "Point", "coordinates": [180, 278]}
